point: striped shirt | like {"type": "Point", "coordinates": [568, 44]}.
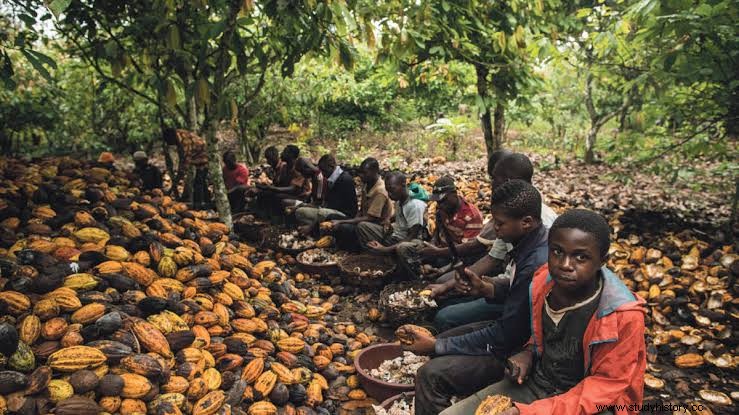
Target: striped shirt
{"type": "Point", "coordinates": [465, 224]}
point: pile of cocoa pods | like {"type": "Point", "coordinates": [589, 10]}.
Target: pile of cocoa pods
{"type": "Point", "coordinates": [119, 302]}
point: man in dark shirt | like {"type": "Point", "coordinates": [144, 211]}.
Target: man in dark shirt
{"type": "Point", "coordinates": [339, 197]}
{"type": "Point", "coordinates": [147, 176]}
{"type": "Point", "coordinates": [470, 357]}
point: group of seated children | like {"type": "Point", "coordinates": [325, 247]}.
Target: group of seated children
{"type": "Point", "coordinates": [387, 219]}
{"type": "Point", "coordinates": [528, 311]}
{"type": "Point", "coordinates": [553, 328]}
{"type": "Point", "coordinates": [569, 337]}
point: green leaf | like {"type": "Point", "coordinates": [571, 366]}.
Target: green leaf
{"type": "Point", "coordinates": [43, 58]}
{"type": "Point", "coordinates": [669, 61]}
{"type": "Point", "coordinates": [216, 29]}
{"type": "Point", "coordinates": [346, 56]}
{"type": "Point", "coordinates": [34, 61]}
{"type": "Point", "coordinates": [28, 20]}
{"type": "Point", "coordinates": [582, 12]}
{"type": "Point", "coordinates": [58, 6]}
{"type": "Point", "coordinates": [6, 71]}
{"type": "Point", "coordinates": [704, 9]}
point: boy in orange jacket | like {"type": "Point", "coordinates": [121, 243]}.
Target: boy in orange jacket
{"type": "Point", "coordinates": [587, 349]}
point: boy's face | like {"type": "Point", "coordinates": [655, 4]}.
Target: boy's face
{"type": "Point", "coordinates": [574, 258]}
{"type": "Point", "coordinates": [367, 175]}
{"type": "Point", "coordinates": [230, 160]}
{"type": "Point", "coordinates": [450, 203]}
{"type": "Point", "coordinates": [395, 189]}
{"type": "Point", "coordinates": [508, 228]}
{"type": "Point", "coordinates": [326, 169]}
{"type": "Point", "coordinates": [497, 180]}
{"type": "Point", "coordinates": [272, 159]}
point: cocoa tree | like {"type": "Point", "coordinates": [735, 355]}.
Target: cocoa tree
{"type": "Point", "coordinates": [181, 55]}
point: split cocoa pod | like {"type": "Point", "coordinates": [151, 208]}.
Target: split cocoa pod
{"type": "Point", "coordinates": [494, 405]}
{"type": "Point", "coordinates": [407, 333]}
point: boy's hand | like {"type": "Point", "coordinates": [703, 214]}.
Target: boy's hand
{"type": "Point", "coordinates": [429, 250]}
{"type": "Point", "coordinates": [422, 345]}
{"type": "Point", "coordinates": [471, 284]}
{"type": "Point", "coordinates": [518, 366]}
{"type": "Point", "coordinates": [377, 247]}
{"type": "Point", "coordinates": [511, 411]}
{"type": "Point", "coordinates": [438, 290]}
{"type": "Point", "coordinates": [387, 226]}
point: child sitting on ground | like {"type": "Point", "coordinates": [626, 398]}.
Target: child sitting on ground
{"type": "Point", "coordinates": [470, 357]}
{"type": "Point", "coordinates": [587, 349]}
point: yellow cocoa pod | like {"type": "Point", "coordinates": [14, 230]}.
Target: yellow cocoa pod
{"type": "Point", "coordinates": [135, 386]}
{"type": "Point", "coordinates": [72, 359]}
{"type": "Point", "coordinates": [139, 273]}
{"type": "Point", "coordinates": [314, 394]}
{"type": "Point", "coordinates": [210, 403]}
{"type": "Point", "coordinates": [30, 329]}
{"type": "Point", "coordinates": [110, 404]}
{"type": "Point", "coordinates": [46, 308]}
{"type": "Point", "coordinates": [88, 313]}
{"type": "Point", "coordinates": [83, 218]}
{"type": "Point", "coordinates": [132, 407]}
{"type": "Point", "coordinates": [167, 267]}
{"type": "Point", "coordinates": [291, 344]}
{"type": "Point", "coordinates": [94, 235]}
{"type": "Point", "coordinates": [81, 281]}
{"type": "Point", "coordinates": [265, 383]}
{"type": "Point", "coordinates": [44, 212]}
{"type": "Point", "coordinates": [262, 267]}
{"type": "Point", "coordinates": [18, 303]}
{"type": "Point", "coordinates": [262, 408]}
{"type": "Point", "coordinates": [253, 370]}
{"type": "Point", "coordinates": [130, 230]}
{"type": "Point", "coordinates": [59, 390]}
{"type": "Point", "coordinates": [176, 384]}
{"type": "Point", "coordinates": [151, 338]}
{"type": "Point", "coordinates": [109, 267]}
{"type": "Point", "coordinates": [284, 374]}
{"type": "Point", "coordinates": [212, 378]}
{"type": "Point", "coordinates": [117, 253]}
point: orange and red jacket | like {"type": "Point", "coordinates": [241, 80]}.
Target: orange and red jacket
{"type": "Point", "coordinates": [614, 351]}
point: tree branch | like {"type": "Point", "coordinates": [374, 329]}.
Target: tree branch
{"type": "Point", "coordinates": [709, 124]}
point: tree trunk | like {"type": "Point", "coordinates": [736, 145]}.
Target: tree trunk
{"type": "Point", "coordinates": [732, 116]}
{"type": "Point", "coordinates": [213, 117]}
{"type": "Point", "coordinates": [734, 212]}
{"type": "Point", "coordinates": [590, 143]}
{"type": "Point", "coordinates": [499, 126]}
{"type": "Point", "coordinates": [215, 173]}
{"type": "Point", "coordinates": [192, 112]}
{"type": "Point", "coordinates": [485, 121]}
{"type": "Point", "coordinates": [622, 120]}
{"type": "Point", "coordinates": [169, 165]}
